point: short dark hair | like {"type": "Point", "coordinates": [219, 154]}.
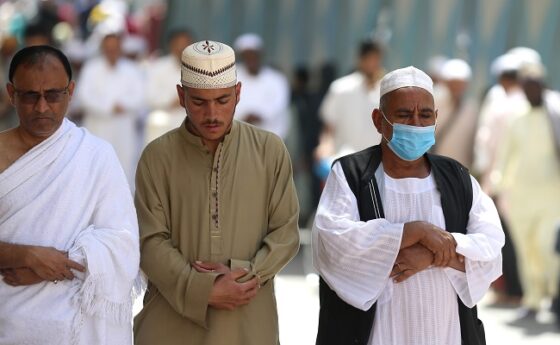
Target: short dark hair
{"type": "Point", "coordinates": [369, 46]}
{"type": "Point", "coordinates": [35, 54]}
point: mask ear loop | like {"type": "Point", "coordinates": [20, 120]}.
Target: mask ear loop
{"type": "Point", "coordinates": [385, 117]}
{"type": "Point", "coordinates": [387, 120]}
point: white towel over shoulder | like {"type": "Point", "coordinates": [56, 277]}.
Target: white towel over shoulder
{"type": "Point", "coordinates": [69, 192]}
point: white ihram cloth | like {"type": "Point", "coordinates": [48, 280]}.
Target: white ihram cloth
{"type": "Point", "coordinates": [355, 258]}
{"type": "Point", "coordinates": [69, 192]}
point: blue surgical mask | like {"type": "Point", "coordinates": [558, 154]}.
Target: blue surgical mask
{"type": "Point", "coordinates": [411, 142]}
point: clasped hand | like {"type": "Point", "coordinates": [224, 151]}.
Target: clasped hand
{"type": "Point", "coordinates": [424, 244]}
{"type": "Point", "coordinates": [440, 242]}
{"type": "Point", "coordinates": [41, 263]}
{"type": "Point", "coordinates": [227, 293]}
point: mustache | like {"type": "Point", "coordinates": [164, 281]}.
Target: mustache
{"type": "Point", "coordinates": [212, 122]}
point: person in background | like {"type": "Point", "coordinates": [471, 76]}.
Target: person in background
{"type": "Point", "coordinates": [503, 102]}
{"type": "Point", "coordinates": [166, 112]}
{"type": "Point", "coordinates": [527, 177]}
{"type": "Point", "coordinates": [266, 99]}
{"type": "Point", "coordinates": [346, 108]}
{"type": "Point", "coordinates": [458, 113]}
{"type": "Point", "coordinates": [111, 93]}
{"type": "Point", "coordinates": [37, 34]}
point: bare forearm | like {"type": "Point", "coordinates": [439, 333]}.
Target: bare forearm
{"type": "Point", "coordinates": [457, 263]}
{"type": "Point", "coordinates": [412, 234]}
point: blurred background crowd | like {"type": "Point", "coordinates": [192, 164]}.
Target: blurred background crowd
{"type": "Point", "coordinates": [310, 73]}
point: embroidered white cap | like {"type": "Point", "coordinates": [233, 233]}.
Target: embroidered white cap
{"type": "Point", "coordinates": [405, 77]}
{"type": "Point", "coordinates": [208, 65]}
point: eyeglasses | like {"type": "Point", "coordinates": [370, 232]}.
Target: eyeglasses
{"type": "Point", "coordinates": [51, 96]}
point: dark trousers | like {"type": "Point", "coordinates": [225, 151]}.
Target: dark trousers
{"type": "Point", "coordinates": [509, 268]}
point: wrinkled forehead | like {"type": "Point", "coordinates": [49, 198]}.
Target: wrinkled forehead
{"type": "Point", "coordinates": [408, 97]}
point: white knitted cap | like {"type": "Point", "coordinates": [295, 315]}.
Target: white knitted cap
{"type": "Point", "coordinates": [404, 77]}
{"type": "Point", "coordinates": [249, 41]}
{"type": "Point", "coordinates": [208, 65]}
{"type": "Point", "coordinates": [505, 63]}
{"type": "Point", "coordinates": [456, 69]}
{"type": "Point", "coordinates": [526, 55]}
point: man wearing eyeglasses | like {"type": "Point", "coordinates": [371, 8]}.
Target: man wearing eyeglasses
{"type": "Point", "coordinates": [68, 231]}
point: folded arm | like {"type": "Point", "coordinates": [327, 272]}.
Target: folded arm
{"type": "Point", "coordinates": [185, 289]}
{"type": "Point", "coordinates": [26, 264]}
{"type": "Point", "coordinates": [481, 247]}
{"type": "Point", "coordinates": [355, 258]}
{"type": "Point", "coordinates": [281, 243]}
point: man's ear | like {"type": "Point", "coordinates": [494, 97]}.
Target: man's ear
{"type": "Point", "coordinates": [11, 91]}
{"type": "Point", "coordinates": [238, 92]}
{"type": "Point", "coordinates": [71, 87]}
{"type": "Point", "coordinates": [377, 119]}
{"type": "Point", "coordinates": [181, 95]}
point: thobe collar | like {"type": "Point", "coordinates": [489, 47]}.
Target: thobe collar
{"type": "Point", "coordinates": [196, 141]}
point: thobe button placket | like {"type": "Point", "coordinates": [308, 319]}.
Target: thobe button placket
{"type": "Point", "coordinates": [215, 233]}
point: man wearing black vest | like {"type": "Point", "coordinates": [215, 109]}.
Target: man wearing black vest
{"type": "Point", "coordinates": [406, 242]}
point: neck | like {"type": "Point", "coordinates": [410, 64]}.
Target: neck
{"type": "Point", "coordinates": [212, 145]}
{"type": "Point", "coordinates": [370, 79]}
{"type": "Point", "coordinates": [399, 168]}
{"type": "Point", "coordinates": [112, 62]}
{"type": "Point", "coordinates": [27, 141]}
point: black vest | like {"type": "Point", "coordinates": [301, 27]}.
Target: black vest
{"type": "Point", "coordinates": [341, 323]}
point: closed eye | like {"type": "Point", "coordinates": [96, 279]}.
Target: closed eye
{"type": "Point", "coordinates": [223, 100]}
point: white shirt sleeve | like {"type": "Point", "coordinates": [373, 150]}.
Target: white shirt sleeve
{"type": "Point", "coordinates": [481, 246]}
{"type": "Point", "coordinates": [354, 257]}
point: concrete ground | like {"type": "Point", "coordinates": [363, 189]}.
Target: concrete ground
{"type": "Point", "coordinates": [298, 308]}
